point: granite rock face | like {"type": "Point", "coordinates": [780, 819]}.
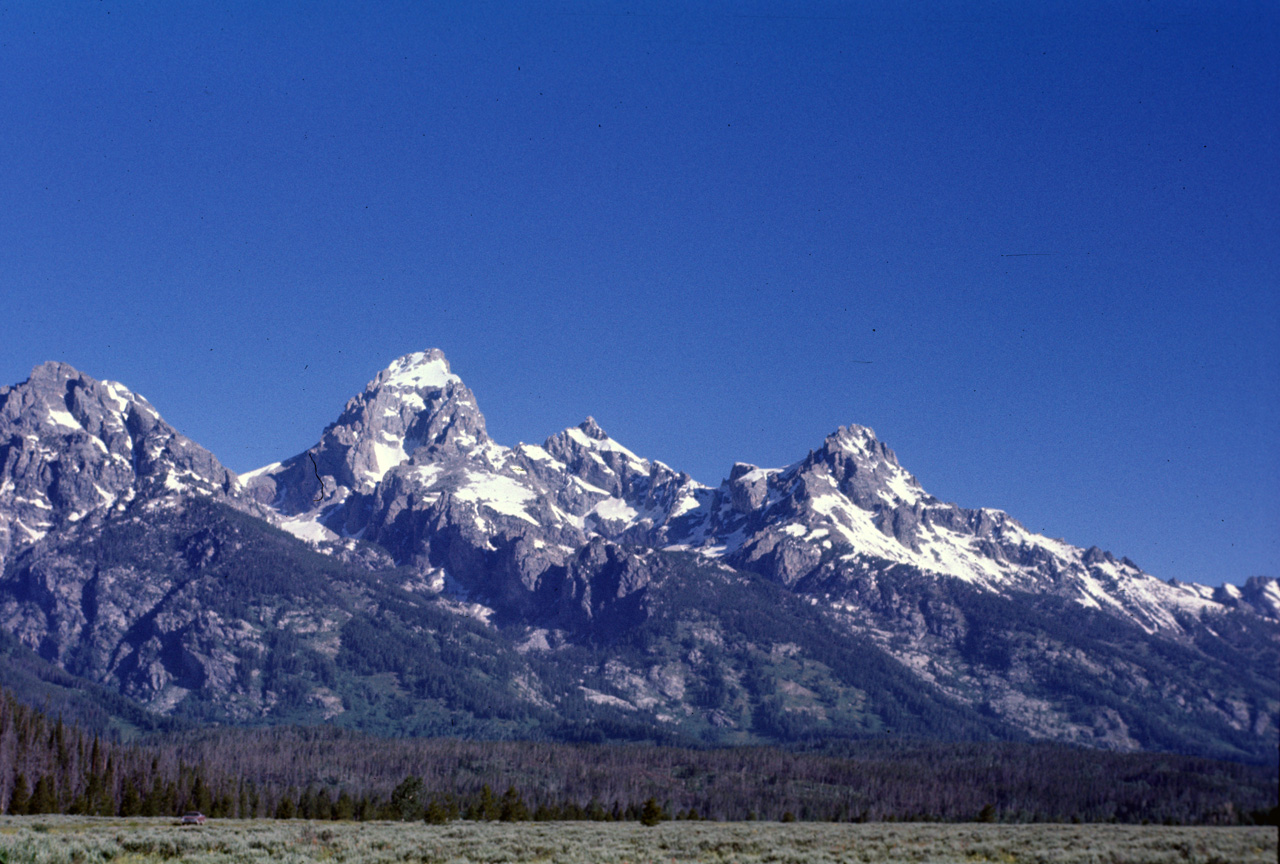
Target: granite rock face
{"type": "Point", "coordinates": [72, 447]}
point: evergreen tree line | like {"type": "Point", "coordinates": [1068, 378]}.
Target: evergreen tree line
{"type": "Point", "coordinates": [47, 766]}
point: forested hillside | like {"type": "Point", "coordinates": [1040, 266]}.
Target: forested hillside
{"type": "Point", "coordinates": [48, 766]}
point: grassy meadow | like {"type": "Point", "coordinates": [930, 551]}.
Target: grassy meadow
{"type": "Point", "coordinates": [83, 840]}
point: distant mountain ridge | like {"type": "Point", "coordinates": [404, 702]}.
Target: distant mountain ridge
{"type": "Point", "coordinates": [391, 451]}
{"type": "Point", "coordinates": [580, 545]}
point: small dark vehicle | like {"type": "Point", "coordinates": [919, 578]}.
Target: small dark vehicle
{"type": "Point", "coordinates": [193, 817]}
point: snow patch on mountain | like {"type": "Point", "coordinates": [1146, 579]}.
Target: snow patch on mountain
{"type": "Point", "coordinates": [308, 530]}
{"type": "Point", "coordinates": [422, 369]}
{"type": "Point", "coordinates": [500, 494]}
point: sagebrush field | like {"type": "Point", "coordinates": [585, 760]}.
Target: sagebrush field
{"type": "Point", "coordinates": [83, 840]}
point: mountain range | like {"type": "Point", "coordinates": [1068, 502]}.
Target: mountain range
{"type": "Point", "coordinates": [409, 575]}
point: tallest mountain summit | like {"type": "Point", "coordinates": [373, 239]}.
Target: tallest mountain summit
{"type": "Point", "coordinates": [416, 402]}
{"type": "Point", "coordinates": [421, 369]}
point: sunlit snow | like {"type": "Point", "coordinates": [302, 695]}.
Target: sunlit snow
{"type": "Point", "coordinates": [32, 534]}
{"type": "Point", "coordinates": [385, 457]}
{"type": "Point", "coordinates": [533, 451]}
{"type": "Point", "coordinates": [248, 476]}
{"type": "Point", "coordinates": [118, 394]}
{"type": "Point", "coordinates": [589, 487]}
{"type": "Point", "coordinates": [901, 485]}
{"type": "Point", "coordinates": [308, 530]}
{"type": "Point", "coordinates": [62, 417]}
{"type": "Point", "coordinates": [415, 370]}
{"type": "Point", "coordinates": [685, 505]}
{"type": "Point", "coordinates": [500, 494]}
{"type": "Point", "coordinates": [615, 510]}
{"type": "Point", "coordinates": [607, 444]}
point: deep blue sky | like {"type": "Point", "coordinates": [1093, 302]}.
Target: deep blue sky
{"type": "Point", "coordinates": [692, 225]}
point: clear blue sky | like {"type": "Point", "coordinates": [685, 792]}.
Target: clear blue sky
{"type": "Point", "coordinates": [691, 224]}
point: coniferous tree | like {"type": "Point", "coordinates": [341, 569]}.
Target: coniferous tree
{"type": "Point", "coordinates": [485, 807]}
{"type": "Point", "coordinates": [512, 808]}
{"type": "Point", "coordinates": [105, 805]}
{"type": "Point", "coordinates": [201, 797]}
{"type": "Point", "coordinates": [321, 805]}
{"type": "Point", "coordinates": [43, 798]}
{"type": "Point", "coordinates": [79, 805]}
{"type": "Point", "coordinates": [90, 791]}
{"type": "Point", "coordinates": [58, 742]}
{"type": "Point", "coordinates": [223, 806]}
{"type": "Point", "coordinates": [20, 800]}
{"type": "Point", "coordinates": [130, 800]}
{"type": "Point", "coordinates": [406, 799]}
{"type": "Point", "coordinates": [344, 809]}
{"type": "Point", "coordinates": [151, 803]}
{"type": "Point", "coordinates": [651, 813]}
{"type": "Point", "coordinates": [285, 809]}
{"type": "Point", "coordinates": [436, 813]}
{"type": "Point", "coordinates": [849, 781]}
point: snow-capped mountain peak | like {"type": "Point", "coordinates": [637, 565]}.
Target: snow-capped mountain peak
{"type": "Point", "coordinates": [589, 436]}
{"type": "Point", "coordinates": [853, 438]}
{"type": "Point", "coordinates": [419, 370]}
{"type": "Point", "coordinates": [416, 403]}
{"type": "Point", "coordinates": [591, 429]}
{"type": "Point", "coordinates": [78, 446]}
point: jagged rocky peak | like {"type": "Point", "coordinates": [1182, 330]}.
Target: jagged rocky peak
{"type": "Point", "coordinates": [419, 400]}
{"type": "Point", "coordinates": [72, 445]}
{"type": "Point", "coordinates": [590, 454]}
{"type": "Point", "coordinates": [866, 470]}
{"type": "Point", "coordinates": [589, 435]}
{"type": "Point", "coordinates": [57, 399]}
{"type": "Point", "coordinates": [588, 440]}
{"type": "Point", "coordinates": [83, 421]}
{"type": "Point", "coordinates": [419, 370]}
{"type": "Point", "coordinates": [1259, 593]}
{"type": "Point", "coordinates": [857, 441]}
{"type": "Point", "coordinates": [415, 408]}
{"type": "Point", "coordinates": [591, 429]}
{"type": "Point", "coordinates": [748, 486]}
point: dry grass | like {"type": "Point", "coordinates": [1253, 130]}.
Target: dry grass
{"type": "Point", "coordinates": [81, 840]}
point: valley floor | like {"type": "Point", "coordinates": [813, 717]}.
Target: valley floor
{"type": "Point", "coordinates": [82, 840]}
